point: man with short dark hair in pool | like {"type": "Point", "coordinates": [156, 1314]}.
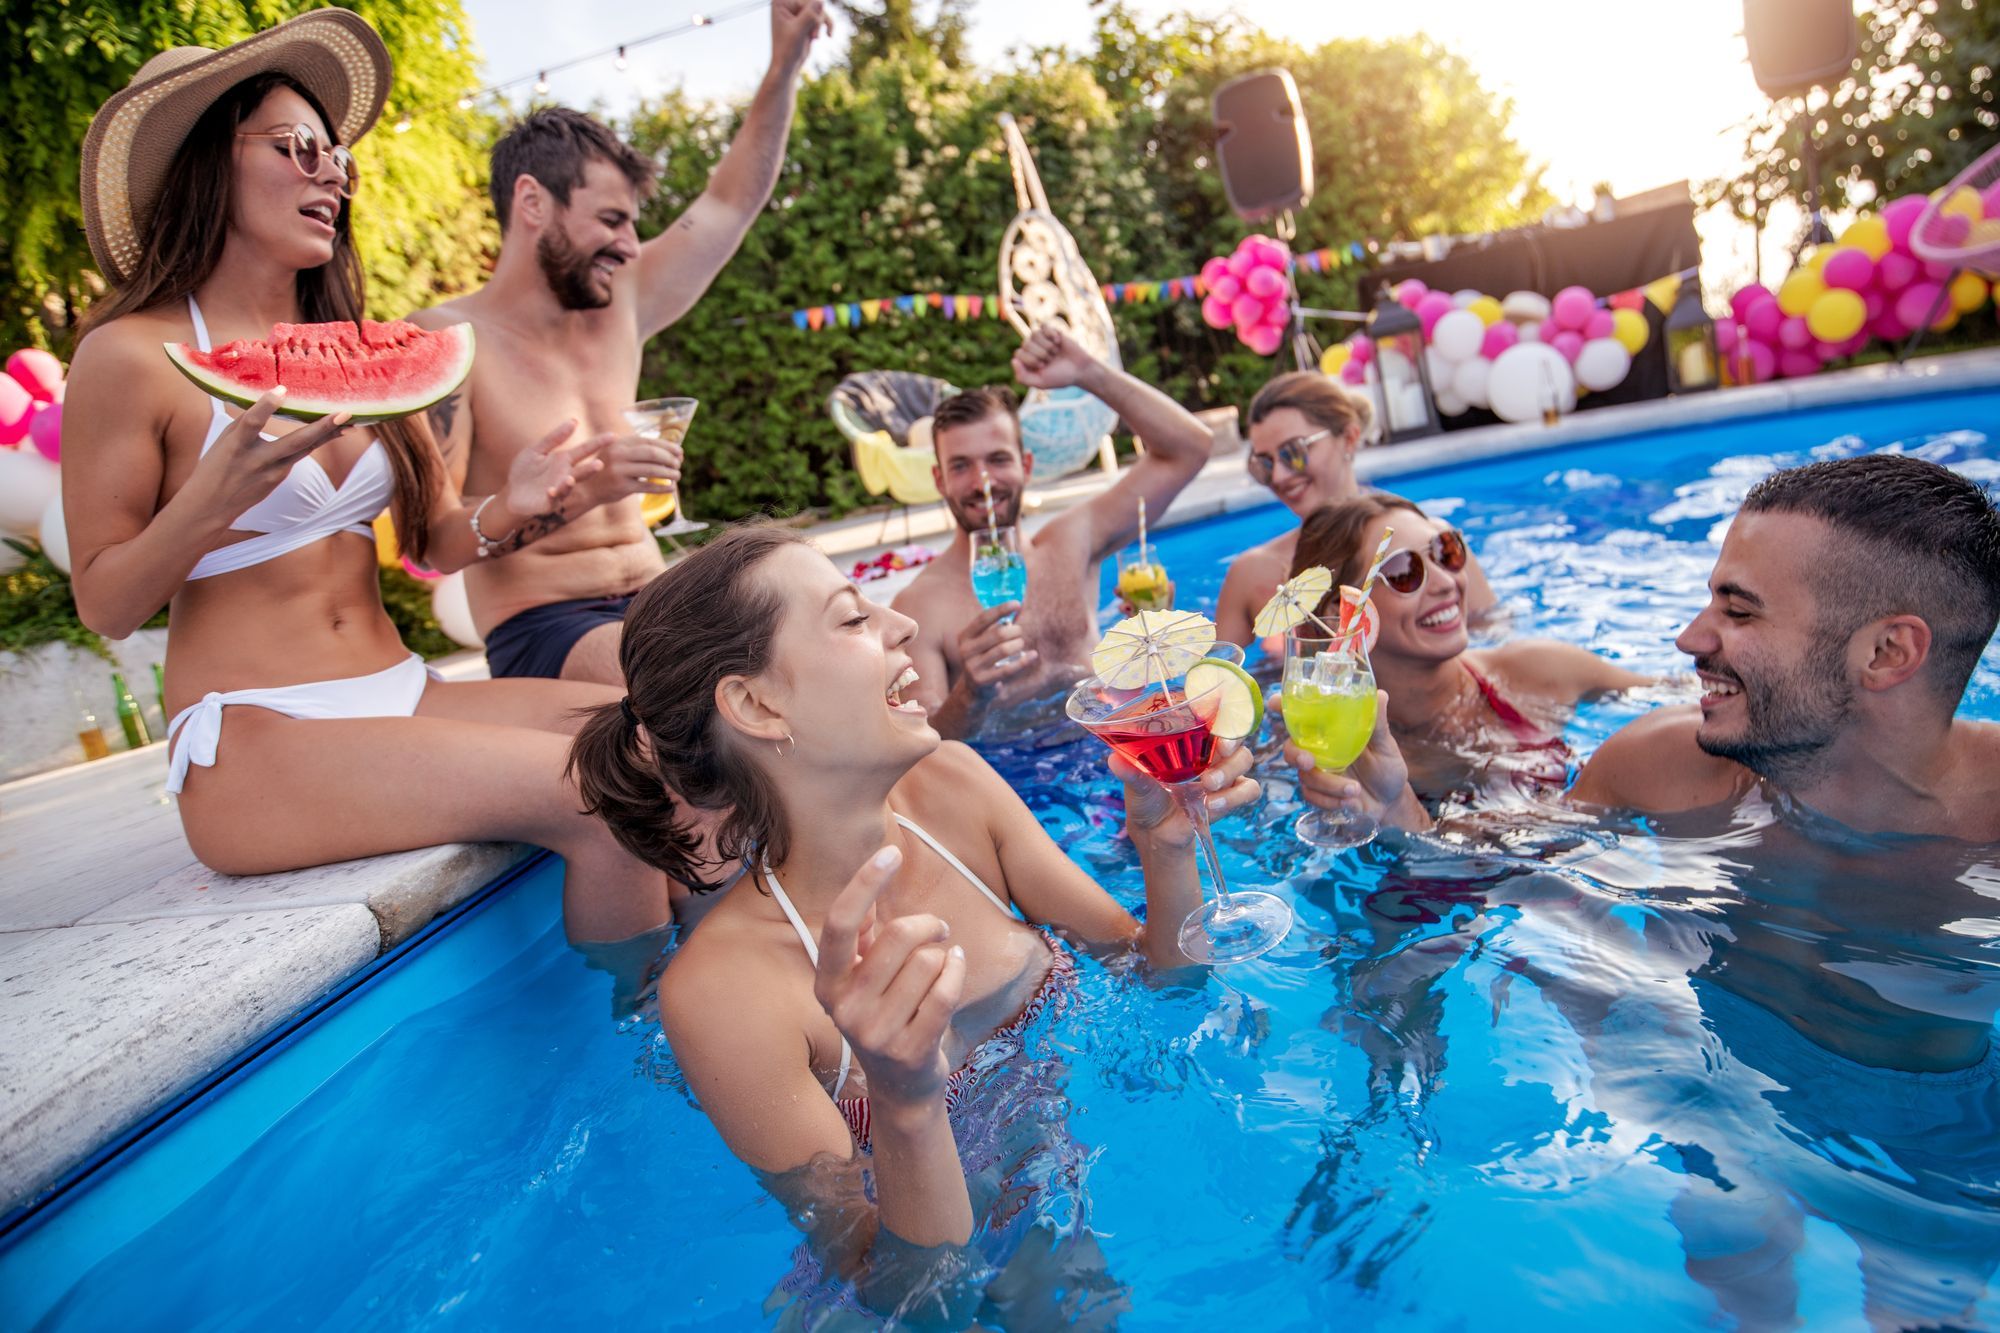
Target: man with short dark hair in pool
{"type": "Point", "coordinates": [968, 659]}
{"type": "Point", "coordinates": [572, 302]}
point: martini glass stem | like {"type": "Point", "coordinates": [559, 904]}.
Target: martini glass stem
{"type": "Point", "coordinates": [1194, 800]}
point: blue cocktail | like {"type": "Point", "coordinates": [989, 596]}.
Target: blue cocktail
{"type": "Point", "coordinates": [999, 570]}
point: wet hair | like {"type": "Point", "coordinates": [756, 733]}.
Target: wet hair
{"type": "Point", "coordinates": [1334, 535]}
{"type": "Point", "coordinates": [182, 246]}
{"type": "Point", "coordinates": [554, 145]}
{"type": "Point", "coordinates": [1320, 399]}
{"type": "Point", "coordinates": [709, 617]}
{"type": "Point", "coordinates": [1910, 538]}
{"type": "Point", "coordinates": [963, 409]}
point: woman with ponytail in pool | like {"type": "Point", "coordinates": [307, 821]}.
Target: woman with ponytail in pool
{"type": "Point", "coordinates": [1305, 430]}
{"type": "Point", "coordinates": [907, 915]}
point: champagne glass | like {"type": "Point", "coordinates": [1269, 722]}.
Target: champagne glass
{"type": "Point", "coordinates": [1167, 734]}
{"type": "Point", "coordinates": [1328, 700]}
{"type": "Point", "coordinates": [665, 419]}
{"type": "Point", "coordinates": [999, 571]}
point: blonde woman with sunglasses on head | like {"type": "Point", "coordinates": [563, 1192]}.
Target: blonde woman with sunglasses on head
{"type": "Point", "coordinates": [1305, 430]}
{"type": "Point", "coordinates": [1473, 724]}
{"type": "Point", "coordinates": [217, 193]}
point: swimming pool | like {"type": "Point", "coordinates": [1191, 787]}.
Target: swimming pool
{"type": "Point", "coordinates": [1473, 1089]}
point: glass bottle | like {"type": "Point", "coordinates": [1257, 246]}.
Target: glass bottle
{"type": "Point", "coordinates": [160, 690]}
{"type": "Point", "coordinates": [90, 733]}
{"type": "Point", "coordinates": [130, 719]}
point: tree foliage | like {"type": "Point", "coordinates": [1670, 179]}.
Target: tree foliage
{"type": "Point", "coordinates": [422, 224]}
{"type": "Point", "coordinates": [1922, 102]}
{"type": "Point", "coordinates": [896, 181]}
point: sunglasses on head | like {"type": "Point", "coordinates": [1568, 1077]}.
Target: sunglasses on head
{"type": "Point", "coordinates": [1293, 453]}
{"type": "Point", "coordinates": [1404, 570]}
{"type": "Point", "coordinates": [302, 143]}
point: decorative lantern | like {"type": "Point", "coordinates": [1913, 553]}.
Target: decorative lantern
{"type": "Point", "coordinates": [1692, 363]}
{"type": "Point", "coordinates": [1403, 403]}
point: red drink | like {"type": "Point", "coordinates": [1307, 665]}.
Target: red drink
{"type": "Point", "coordinates": [1166, 740]}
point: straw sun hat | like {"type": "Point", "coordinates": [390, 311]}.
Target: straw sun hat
{"type": "Point", "coordinates": [332, 53]}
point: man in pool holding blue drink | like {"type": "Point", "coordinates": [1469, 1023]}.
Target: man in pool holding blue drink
{"type": "Point", "coordinates": [968, 656]}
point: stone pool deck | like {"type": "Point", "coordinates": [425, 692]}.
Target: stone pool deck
{"type": "Point", "coordinates": [130, 974]}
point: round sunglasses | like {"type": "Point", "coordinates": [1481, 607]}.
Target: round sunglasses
{"type": "Point", "coordinates": [1293, 453]}
{"type": "Point", "coordinates": [1404, 571]}
{"type": "Point", "coordinates": [301, 142]}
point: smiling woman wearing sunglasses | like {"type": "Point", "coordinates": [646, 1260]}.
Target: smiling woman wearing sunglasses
{"type": "Point", "coordinates": [1304, 432]}
{"type": "Point", "coordinates": [1472, 723]}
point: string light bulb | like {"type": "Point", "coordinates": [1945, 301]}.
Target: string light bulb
{"type": "Point", "coordinates": [701, 20]}
{"type": "Point", "coordinates": [620, 62]}
{"type": "Point", "coordinates": [542, 84]}
{"type": "Point", "coordinates": [465, 102]}
{"type": "Point", "coordinates": [403, 125]}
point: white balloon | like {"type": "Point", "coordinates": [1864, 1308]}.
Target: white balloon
{"type": "Point", "coordinates": [1450, 404]}
{"type": "Point", "coordinates": [1464, 297]}
{"type": "Point", "coordinates": [55, 533]}
{"type": "Point", "coordinates": [1410, 406]}
{"type": "Point", "coordinates": [1526, 379]}
{"type": "Point", "coordinates": [1602, 364]}
{"type": "Point", "coordinates": [1529, 333]}
{"type": "Point", "coordinates": [27, 480]}
{"type": "Point", "coordinates": [1469, 380]}
{"type": "Point", "coordinates": [1522, 307]}
{"type": "Point", "coordinates": [1457, 336]}
{"type": "Point", "coordinates": [1437, 367]}
{"type": "Point", "coordinates": [453, 612]}
{"type": "Point", "coordinates": [1396, 369]}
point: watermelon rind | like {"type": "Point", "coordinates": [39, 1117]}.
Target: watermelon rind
{"type": "Point", "coordinates": [300, 407]}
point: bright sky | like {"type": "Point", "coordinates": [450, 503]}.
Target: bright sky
{"type": "Point", "coordinates": [1636, 95]}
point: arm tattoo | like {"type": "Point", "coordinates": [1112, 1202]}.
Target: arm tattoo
{"type": "Point", "coordinates": [533, 529]}
{"type": "Point", "coordinates": [443, 414]}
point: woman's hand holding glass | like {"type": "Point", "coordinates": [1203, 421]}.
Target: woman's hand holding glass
{"type": "Point", "coordinates": [1151, 811]}
{"type": "Point", "coordinates": [891, 985]}
{"type": "Point", "coordinates": [1376, 786]}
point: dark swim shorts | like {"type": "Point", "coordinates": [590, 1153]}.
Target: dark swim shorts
{"type": "Point", "coordinates": [537, 642]}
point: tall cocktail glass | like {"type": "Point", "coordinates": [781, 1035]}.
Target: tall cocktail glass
{"type": "Point", "coordinates": [1328, 700]}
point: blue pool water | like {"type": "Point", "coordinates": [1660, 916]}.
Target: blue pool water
{"type": "Point", "coordinates": [1475, 1088]}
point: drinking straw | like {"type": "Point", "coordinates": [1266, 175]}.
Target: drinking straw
{"type": "Point", "coordinates": [1368, 585]}
{"type": "Point", "coordinates": [992, 528]}
{"type": "Point", "coordinates": [1142, 531]}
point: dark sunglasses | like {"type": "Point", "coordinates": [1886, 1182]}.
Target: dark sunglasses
{"type": "Point", "coordinates": [1293, 453]}
{"type": "Point", "coordinates": [302, 143]}
{"type": "Point", "coordinates": [1404, 570]}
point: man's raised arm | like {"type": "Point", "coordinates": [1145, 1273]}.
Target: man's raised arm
{"type": "Point", "coordinates": [678, 265]}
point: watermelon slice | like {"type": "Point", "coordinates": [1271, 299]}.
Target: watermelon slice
{"type": "Point", "coordinates": [1354, 606]}
{"type": "Point", "coordinates": [375, 371]}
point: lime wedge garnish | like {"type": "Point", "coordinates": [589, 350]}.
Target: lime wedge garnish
{"type": "Point", "coordinates": [1235, 707]}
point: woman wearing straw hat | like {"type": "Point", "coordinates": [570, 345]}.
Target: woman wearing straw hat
{"type": "Point", "coordinates": [216, 194]}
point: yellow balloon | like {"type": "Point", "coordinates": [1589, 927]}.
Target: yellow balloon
{"type": "Point", "coordinates": [1488, 309]}
{"type": "Point", "coordinates": [1965, 203]}
{"type": "Point", "coordinates": [1629, 327]}
{"type": "Point", "coordinates": [1870, 234]}
{"type": "Point", "coordinates": [1800, 290]}
{"type": "Point", "coordinates": [1968, 293]}
{"type": "Point", "coordinates": [1815, 258]}
{"type": "Point", "coordinates": [387, 554]}
{"type": "Point", "coordinates": [1837, 315]}
{"type": "Point", "coordinates": [1333, 358]}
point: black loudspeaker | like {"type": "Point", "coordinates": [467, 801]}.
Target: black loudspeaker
{"type": "Point", "coordinates": [1795, 44]}
{"type": "Point", "coordinates": [1261, 144]}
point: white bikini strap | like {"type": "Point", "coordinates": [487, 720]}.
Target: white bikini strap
{"type": "Point", "coordinates": [215, 407]}
{"type": "Point", "coordinates": [200, 325]}
{"type": "Point", "coordinates": [812, 952]}
{"type": "Point", "coordinates": [955, 864]}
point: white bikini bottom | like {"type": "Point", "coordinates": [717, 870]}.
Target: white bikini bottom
{"type": "Point", "coordinates": [390, 693]}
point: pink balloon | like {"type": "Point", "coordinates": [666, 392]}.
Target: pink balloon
{"type": "Point", "coordinates": [1432, 307]}
{"type": "Point", "coordinates": [1499, 337]}
{"type": "Point", "coordinates": [1762, 321]}
{"type": "Point", "coordinates": [1226, 288]}
{"type": "Point", "coordinates": [1763, 361]}
{"type": "Point", "coordinates": [1899, 216]}
{"type": "Point", "coordinates": [1873, 303]}
{"type": "Point", "coordinates": [1989, 200]}
{"type": "Point", "coordinates": [1895, 271]}
{"type": "Point", "coordinates": [1947, 229]}
{"type": "Point", "coordinates": [1213, 271]}
{"type": "Point", "coordinates": [1352, 373]}
{"type": "Point", "coordinates": [1727, 332]}
{"type": "Point", "coordinates": [1914, 306]}
{"type": "Point", "coordinates": [1572, 308]}
{"type": "Point", "coordinates": [1364, 349]}
{"type": "Point", "coordinates": [1937, 270]}
{"type": "Point", "coordinates": [1215, 313]}
{"type": "Point", "coordinates": [1410, 291]}
{"type": "Point", "coordinates": [1279, 316]}
{"type": "Point", "coordinates": [1848, 267]}
{"type": "Point", "coordinates": [37, 372]}
{"type": "Point", "coordinates": [1601, 324]}
{"type": "Point", "coordinates": [1569, 342]}
{"type": "Point", "coordinates": [46, 430]}
{"type": "Point", "coordinates": [1828, 351]}
{"type": "Point", "coordinates": [1240, 263]}
{"type": "Point", "coordinates": [1793, 333]}
{"type": "Point", "coordinates": [1266, 284]}
{"type": "Point", "coordinates": [1889, 326]}
{"type": "Point", "coordinates": [1265, 340]}
{"type": "Point", "coordinates": [17, 408]}
{"type": "Point", "coordinates": [1270, 252]}
{"type": "Point", "coordinates": [1795, 364]}
{"type": "Point", "coordinates": [1246, 309]}
{"type": "Point", "coordinates": [1739, 304]}
{"type": "Point", "coordinates": [1852, 345]}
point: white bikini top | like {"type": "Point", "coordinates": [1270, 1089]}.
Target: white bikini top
{"type": "Point", "coordinates": [306, 507]}
{"type": "Point", "coordinates": [812, 946]}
